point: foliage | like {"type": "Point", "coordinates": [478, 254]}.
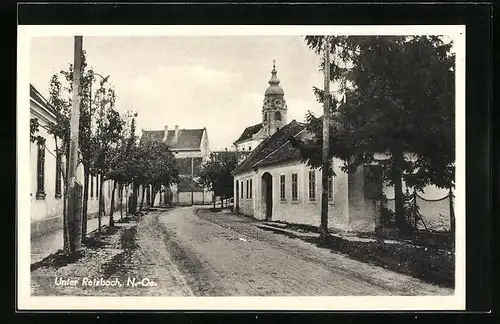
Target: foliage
{"type": "Point", "coordinates": [216, 174]}
{"type": "Point", "coordinates": [398, 101]}
{"type": "Point", "coordinates": [34, 128]}
{"type": "Point", "coordinates": [400, 94]}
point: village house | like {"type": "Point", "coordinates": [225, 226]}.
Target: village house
{"type": "Point", "coordinates": [47, 189]}
{"type": "Point", "coordinates": [273, 183]}
{"type": "Point", "coordinates": [191, 149]}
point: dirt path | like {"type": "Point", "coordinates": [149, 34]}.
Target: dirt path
{"type": "Point", "coordinates": [224, 254]}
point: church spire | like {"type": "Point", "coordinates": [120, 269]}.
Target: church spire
{"type": "Point", "coordinates": [274, 81]}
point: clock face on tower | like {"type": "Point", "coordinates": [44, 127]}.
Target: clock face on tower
{"type": "Point", "coordinates": [277, 102]}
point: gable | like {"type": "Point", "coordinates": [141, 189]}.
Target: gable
{"type": "Point", "coordinates": [188, 139]}
{"type": "Point", "coordinates": [274, 149]}
{"type": "Point", "coordinates": [249, 132]}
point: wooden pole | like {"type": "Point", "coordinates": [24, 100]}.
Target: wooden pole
{"type": "Point", "coordinates": [74, 218]}
{"type": "Point", "coordinates": [326, 145]}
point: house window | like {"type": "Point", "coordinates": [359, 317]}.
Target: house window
{"type": "Point", "coordinates": [40, 170]}
{"type": "Point", "coordinates": [312, 185]}
{"type": "Point", "coordinates": [250, 190]}
{"type": "Point", "coordinates": [241, 195]}
{"type": "Point", "coordinates": [247, 189]}
{"type": "Point", "coordinates": [249, 148]}
{"type": "Point", "coordinates": [330, 189]}
{"type": "Point", "coordinates": [58, 174]}
{"type": "Point", "coordinates": [295, 192]}
{"type": "Point", "coordinates": [277, 115]}
{"type": "Point", "coordinates": [282, 187]}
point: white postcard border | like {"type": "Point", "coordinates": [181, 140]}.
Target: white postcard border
{"type": "Point", "coordinates": [380, 303]}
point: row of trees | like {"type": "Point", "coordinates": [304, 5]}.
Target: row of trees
{"type": "Point", "coordinates": [108, 145]}
{"type": "Point", "coordinates": [399, 99]}
{"type": "Point", "coordinates": [216, 174]}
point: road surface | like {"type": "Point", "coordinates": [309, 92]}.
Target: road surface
{"type": "Point", "coordinates": [189, 251]}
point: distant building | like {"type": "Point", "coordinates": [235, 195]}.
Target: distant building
{"type": "Point", "coordinates": [191, 149]}
{"type": "Point", "coordinates": [274, 116]}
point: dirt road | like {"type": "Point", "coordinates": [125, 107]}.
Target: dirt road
{"type": "Point", "coordinates": [220, 254]}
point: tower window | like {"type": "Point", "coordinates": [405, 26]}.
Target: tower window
{"type": "Point", "coordinates": [265, 116]}
{"type": "Point", "coordinates": [277, 115]}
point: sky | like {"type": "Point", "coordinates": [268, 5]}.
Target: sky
{"type": "Point", "coordinates": [217, 82]}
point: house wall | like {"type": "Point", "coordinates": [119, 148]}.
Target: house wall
{"type": "Point", "coordinates": [434, 207]}
{"type": "Point", "coordinates": [363, 212]}
{"type": "Point", "coordinates": [302, 211]}
{"type": "Point", "coordinates": [187, 154]}
{"type": "Point", "coordinates": [47, 213]}
{"type": "Point", "coordinates": [249, 145]}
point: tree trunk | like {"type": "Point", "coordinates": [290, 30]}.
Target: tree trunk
{"type": "Point", "coordinates": [86, 174]}
{"type": "Point", "coordinates": [101, 204]}
{"type": "Point", "coordinates": [112, 208]}
{"type": "Point", "coordinates": [142, 198]}
{"type": "Point", "coordinates": [134, 198]}
{"type": "Point", "coordinates": [126, 201]}
{"type": "Point", "coordinates": [120, 187]}
{"type": "Point", "coordinates": [398, 193]}
{"type": "Point", "coordinates": [153, 195]}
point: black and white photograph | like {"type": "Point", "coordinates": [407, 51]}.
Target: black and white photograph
{"type": "Point", "coordinates": [272, 167]}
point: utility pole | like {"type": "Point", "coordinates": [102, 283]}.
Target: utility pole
{"type": "Point", "coordinates": [323, 230]}
{"type": "Point", "coordinates": [75, 189]}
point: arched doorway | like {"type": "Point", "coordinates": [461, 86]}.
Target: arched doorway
{"type": "Point", "coordinates": [267, 195]}
{"type": "Point", "coordinates": [237, 197]}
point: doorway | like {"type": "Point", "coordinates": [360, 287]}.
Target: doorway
{"type": "Point", "coordinates": [237, 197]}
{"type": "Point", "coordinates": [267, 195]}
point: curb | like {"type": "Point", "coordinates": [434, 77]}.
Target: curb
{"type": "Point", "coordinates": [285, 231]}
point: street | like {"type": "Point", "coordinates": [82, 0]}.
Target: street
{"type": "Point", "coordinates": [220, 254]}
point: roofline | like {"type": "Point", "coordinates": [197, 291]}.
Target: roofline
{"type": "Point", "coordinates": [44, 108]}
{"type": "Point", "coordinates": [276, 150]}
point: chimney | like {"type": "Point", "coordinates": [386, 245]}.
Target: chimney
{"type": "Point", "coordinates": [165, 134]}
{"type": "Point", "coordinates": [176, 132]}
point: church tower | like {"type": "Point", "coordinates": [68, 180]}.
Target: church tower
{"type": "Point", "coordinates": [274, 109]}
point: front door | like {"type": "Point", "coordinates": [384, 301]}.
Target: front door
{"type": "Point", "coordinates": [267, 185]}
{"type": "Point", "coordinates": [237, 197]}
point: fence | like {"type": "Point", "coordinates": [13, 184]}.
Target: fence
{"type": "Point", "coordinates": [434, 214]}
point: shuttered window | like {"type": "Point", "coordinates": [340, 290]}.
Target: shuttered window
{"type": "Point", "coordinates": [295, 191]}
{"type": "Point", "coordinates": [312, 185]}
{"type": "Point", "coordinates": [282, 187]}
{"type": "Point", "coordinates": [40, 170]}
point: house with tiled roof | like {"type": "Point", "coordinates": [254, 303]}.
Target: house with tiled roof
{"type": "Point", "coordinates": [191, 149]}
{"type": "Point", "coordinates": [273, 183]}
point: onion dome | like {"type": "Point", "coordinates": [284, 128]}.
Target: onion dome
{"type": "Point", "coordinates": [274, 87]}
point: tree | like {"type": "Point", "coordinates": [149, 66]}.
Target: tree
{"type": "Point", "coordinates": [122, 155]}
{"type": "Point", "coordinates": [216, 174]}
{"type": "Point", "coordinates": [108, 130]}
{"type": "Point", "coordinates": [60, 98]}
{"type": "Point", "coordinates": [159, 166]}
{"type": "Point", "coordinates": [400, 102]}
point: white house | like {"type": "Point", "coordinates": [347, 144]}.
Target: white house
{"type": "Point", "coordinates": [47, 187]}
{"type": "Point", "coordinates": [272, 183]}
